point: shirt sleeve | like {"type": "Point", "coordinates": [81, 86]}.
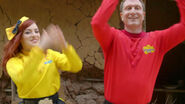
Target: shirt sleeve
{"type": "Point", "coordinates": [68, 60]}
{"type": "Point", "coordinates": [174, 35]}
{"type": "Point", "coordinates": [102, 31]}
{"type": "Point", "coordinates": [20, 69]}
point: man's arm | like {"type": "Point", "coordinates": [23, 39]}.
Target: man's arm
{"type": "Point", "coordinates": [102, 31]}
{"type": "Point", "coordinates": [174, 35]}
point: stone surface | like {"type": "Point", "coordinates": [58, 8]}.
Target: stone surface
{"type": "Point", "coordinates": [99, 65]}
{"type": "Point", "coordinates": [90, 60]}
{"type": "Point", "coordinates": [82, 99]}
{"type": "Point", "coordinates": [100, 99]}
{"type": "Point", "coordinates": [99, 60]}
{"type": "Point", "coordinates": [85, 86]}
{"type": "Point", "coordinates": [70, 101]}
{"type": "Point", "coordinates": [76, 87]}
{"type": "Point", "coordinates": [91, 102]}
{"type": "Point", "coordinates": [98, 87]}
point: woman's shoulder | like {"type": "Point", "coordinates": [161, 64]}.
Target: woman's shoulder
{"type": "Point", "coordinates": [14, 59]}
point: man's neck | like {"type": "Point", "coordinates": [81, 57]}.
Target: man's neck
{"type": "Point", "coordinates": [134, 30]}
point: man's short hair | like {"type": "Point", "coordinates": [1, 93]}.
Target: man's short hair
{"type": "Point", "coordinates": [123, 1]}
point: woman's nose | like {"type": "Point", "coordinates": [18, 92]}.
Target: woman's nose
{"type": "Point", "coordinates": [34, 34]}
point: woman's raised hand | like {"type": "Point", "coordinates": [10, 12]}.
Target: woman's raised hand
{"type": "Point", "coordinates": [53, 38]}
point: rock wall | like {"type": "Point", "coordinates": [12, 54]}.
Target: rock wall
{"type": "Point", "coordinates": [74, 17]}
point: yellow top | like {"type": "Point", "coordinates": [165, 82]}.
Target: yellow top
{"type": "Point", "coordinates": [36, 74]}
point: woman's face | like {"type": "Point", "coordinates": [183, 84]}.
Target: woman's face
{"type": "Point", "coordinates": [30, 37]}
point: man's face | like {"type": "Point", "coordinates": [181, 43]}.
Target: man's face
{"type": "Point", "coordinates": [132, 14]}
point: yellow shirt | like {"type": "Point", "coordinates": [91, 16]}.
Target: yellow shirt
{"type": "Point", "coordinates": [36, 74]}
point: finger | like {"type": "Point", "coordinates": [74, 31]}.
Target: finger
{"type": "Point", "coordinates": [61, 35]}
{"type": "Point", "coordinates": [50, 31]}
{"type": "Point", "coordinates": [60, 32]}
{"type": "Point", "coordinates": [44, 32]}
{"type": "Point", "coordinates": [50, 26]}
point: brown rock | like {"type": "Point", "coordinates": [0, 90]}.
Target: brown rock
{"type": "Point", "coordinates": [85, 86]}
{"type": "Point", "coordinates": [91, 102]}
{"type": "Point", "coordinates": [91, 53]}
{"type": "Point", "coordinates": [90, 91]}
{"type": "Point", "coordinates": [76, 87]}
{"type": "Point", "coordinates": [98, 65]}
{"type": "Point", "coordinates": [69, 85]}
{"type": "Point", "coordinates": [81, 99]}
{"type": "Point", "coordinates": [99, 87]}
{"type": "Point", "coordinates": [100, 99]}
{"type": "Point", "coordinates": [99, 60]}
{"type": "Point", "coordinates": [70, 101]}
{"type": "Point", "coordinates": [90, 60]}
{"type": "Point", "coordinates": [93, 95]}
{"type": "Point", "coordinates": [84, 29]}
{"type": "Point", "coordinates": [88, 45]}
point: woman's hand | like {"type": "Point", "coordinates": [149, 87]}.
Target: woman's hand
{"type": "Point", "coordinates": [53, 38]}
{"type": "Point", "coordinates": [62, 38]}
{"type": "Point", "coordinates": [45, 41]}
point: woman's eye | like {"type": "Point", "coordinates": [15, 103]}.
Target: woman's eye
{"type": "Point", "coordinates": [27, 32]}
{"type": "Point", "coordinates": [36, 31]}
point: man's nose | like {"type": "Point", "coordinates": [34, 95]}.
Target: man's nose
{"type": "Point", "coordinates": [133, 10]}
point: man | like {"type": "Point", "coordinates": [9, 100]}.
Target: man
{"type": "Point", "coordinates": [132, 57]}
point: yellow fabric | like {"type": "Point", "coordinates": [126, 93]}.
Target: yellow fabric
{"type": "Point", "coordinates": [9, 30]}
{"type": "Point", "coordinates": [61, 99]}
{"type": "Point", "coordinates": [36, 74]}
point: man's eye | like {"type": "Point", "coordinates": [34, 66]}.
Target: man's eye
{"type": "Point", "coordinates": [137, 8]}
{"type": "Point", "coordinates": [128, 8]}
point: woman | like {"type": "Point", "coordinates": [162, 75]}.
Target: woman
{"type": "Point", "coordinates": [33, 65]}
